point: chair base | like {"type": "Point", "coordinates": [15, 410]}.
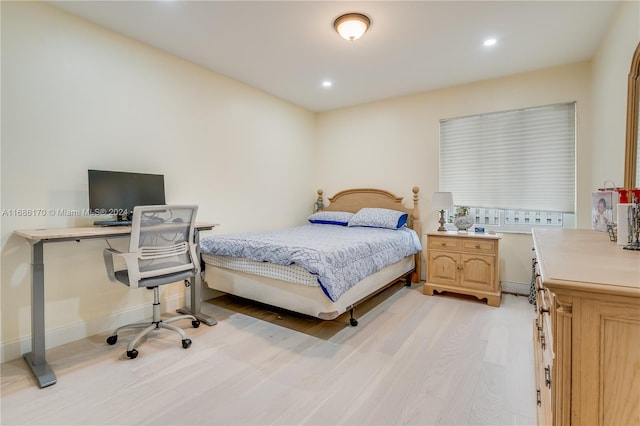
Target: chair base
{"type": "Point", "coordinates": [156, 323]}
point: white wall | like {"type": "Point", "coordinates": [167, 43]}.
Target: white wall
{"type": "Point", "coordinates": [76, 97]}
{"type": "Point", "coordinates": [611, 67]}
{"type": "Point", "coordinates": [355, 144]}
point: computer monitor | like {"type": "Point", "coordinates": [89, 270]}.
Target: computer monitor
{"type": "Point", "coordinates": [117, 193]}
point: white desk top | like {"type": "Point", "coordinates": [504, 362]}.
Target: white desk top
{"type": "Point", "coordinates": [85, 232]}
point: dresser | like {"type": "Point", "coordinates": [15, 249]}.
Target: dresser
{"type": "Point", "coordinates": [464, 263]}
{"type": "Point", "coordinates": [587, 329]}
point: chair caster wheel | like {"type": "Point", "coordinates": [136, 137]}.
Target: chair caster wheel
{"type": "Point", "coordinates": [195, 324]}
{"type": "Point", "coordinates": [132, 353]}
{"type": "Point", "coordinates": [112, 339]}
{"type": "Point", "coordinates": [353, 322]}
{"type": "Point", "coordinates": [186, 343]}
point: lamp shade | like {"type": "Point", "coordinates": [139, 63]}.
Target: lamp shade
{"type": "Point", "coordinates": [352, 25]}
{"type": "Point", "coordinates": [442, 201]}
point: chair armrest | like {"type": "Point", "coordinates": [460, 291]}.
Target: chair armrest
{"type": "Point", "coordinates": [193, 252]}
{"type": "Point", "coordinates": [108, 254]}
{"type": "Point", "coordinates": [131, 262]}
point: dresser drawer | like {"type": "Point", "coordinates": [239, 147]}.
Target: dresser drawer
{"type": "Point", "coordinates": [543, 378]}
{"type": "Point", "coordinates": [544, 307]}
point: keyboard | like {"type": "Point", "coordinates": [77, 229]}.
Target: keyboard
{"type": "Point", "coordinates": [112, 223]}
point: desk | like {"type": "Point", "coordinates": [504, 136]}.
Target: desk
{"type": "Point", "coordinates": [37, 237]}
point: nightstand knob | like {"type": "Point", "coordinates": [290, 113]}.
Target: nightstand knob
{"type": "Point", "coordinates": [444, 243]}
{"type": "Point", "coordinates": [477, 246]}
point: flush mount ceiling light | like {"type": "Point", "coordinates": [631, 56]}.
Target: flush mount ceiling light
{"type": "Point", "coordinates": [351, 26]}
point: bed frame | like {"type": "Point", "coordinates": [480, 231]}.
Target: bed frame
{"type": "Point", "coordinates": [312, 300]}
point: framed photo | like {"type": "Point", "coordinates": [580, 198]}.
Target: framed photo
{"type": "Point", "coordinates": [603, 208]}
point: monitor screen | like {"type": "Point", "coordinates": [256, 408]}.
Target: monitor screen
{"type": "Point", "coordinates": [117, 193]}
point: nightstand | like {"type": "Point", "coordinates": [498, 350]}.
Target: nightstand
{"type": "Point", "coordinates": [464, 263]}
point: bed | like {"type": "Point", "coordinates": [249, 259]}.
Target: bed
{"type": "Point", "coordinates": [330, 280]}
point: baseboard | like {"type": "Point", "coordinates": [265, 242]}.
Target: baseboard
{"type": "Point", "coordinates": [59, 336]}
{"type": "Point", "coordinates": [515, 288]}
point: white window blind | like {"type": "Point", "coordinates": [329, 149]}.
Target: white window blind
{"type": "Point", "coordinates": [522, 159]}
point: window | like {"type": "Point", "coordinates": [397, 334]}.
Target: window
{"type": "Point", "coordinates": [512, 167]}
{"type": "Point", "coordinates": [516, 220]}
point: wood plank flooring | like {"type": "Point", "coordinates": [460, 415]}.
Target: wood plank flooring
{"type": "Point", "coordinates": [413, 359]}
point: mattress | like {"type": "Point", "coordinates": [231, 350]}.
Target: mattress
{"type": "Point", "coordinates": [295, 273]}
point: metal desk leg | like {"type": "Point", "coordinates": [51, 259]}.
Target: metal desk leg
{"type": "Point", "coordinates": [196, 283]}
{"type": "Point", "coordinates": [36, 358]}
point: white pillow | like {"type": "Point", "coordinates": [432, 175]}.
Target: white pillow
{"type": "Point", "coordinates": [379, 218]}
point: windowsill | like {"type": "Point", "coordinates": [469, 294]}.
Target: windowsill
{"type": "Point", "coordinates": [502, 230]}
{"type": "Point", "coordinates": [499, 226]}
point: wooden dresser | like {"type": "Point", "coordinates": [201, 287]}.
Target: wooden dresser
{"type": "Point", "coordinates": [587, 330]}
{"type": "Point", "coordinates": [464, 263]}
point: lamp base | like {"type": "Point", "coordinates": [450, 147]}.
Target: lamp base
{"type": "Point", "coordinates": [442, 221]}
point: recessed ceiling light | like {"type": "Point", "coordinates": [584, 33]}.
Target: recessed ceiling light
{"type": "Point", "coordinates": [326, 83]}
{"type": "Point", "coordinates": [490, 42]}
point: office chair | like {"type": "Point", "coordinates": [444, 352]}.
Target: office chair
{"type": "Point", "coordinates": [161, 251]}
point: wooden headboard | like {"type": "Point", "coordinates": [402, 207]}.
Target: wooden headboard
{"type": "Point", "coordinates": [352, 200]}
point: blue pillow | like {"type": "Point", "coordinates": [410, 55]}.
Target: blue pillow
{"type": "Point", "coordinates": [331, 218]}
{"type": "Point", "coordinates": [379, 218]}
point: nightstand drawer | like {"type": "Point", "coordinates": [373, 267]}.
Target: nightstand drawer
{"type": "Point", "coordinates": [479, 246]}
{"type": "Point", "coordinates": [443, 243]}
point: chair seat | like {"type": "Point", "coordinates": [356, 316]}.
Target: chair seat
{"type": "Point", "coordinates": [123, 277]}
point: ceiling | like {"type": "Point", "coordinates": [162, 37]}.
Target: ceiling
{"type": "Point", "coordinates": [288, 48]}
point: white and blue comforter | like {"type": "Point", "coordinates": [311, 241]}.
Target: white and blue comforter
{"type": "Point", "coordinates": [340, 256]}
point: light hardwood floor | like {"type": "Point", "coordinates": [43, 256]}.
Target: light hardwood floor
{"type": "Point", "coordinates": [413, 359]}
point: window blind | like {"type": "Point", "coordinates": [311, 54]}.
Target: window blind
{"type": "Point", "coordinates": [521, 159]}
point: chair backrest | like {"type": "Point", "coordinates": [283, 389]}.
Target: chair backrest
{"type": "Point", "coordinates": [163, 239]}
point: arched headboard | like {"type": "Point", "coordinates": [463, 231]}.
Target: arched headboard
{"type": "Point", "coordinates": [352, 200]}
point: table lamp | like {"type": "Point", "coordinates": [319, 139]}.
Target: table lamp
{"type": "Point", "coordinates": [442, 201]}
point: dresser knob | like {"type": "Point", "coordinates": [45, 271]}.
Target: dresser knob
{"type": "Point", "coordinates": [444, 243]}
{"type": "Point", "coordinates": [477, 246]}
